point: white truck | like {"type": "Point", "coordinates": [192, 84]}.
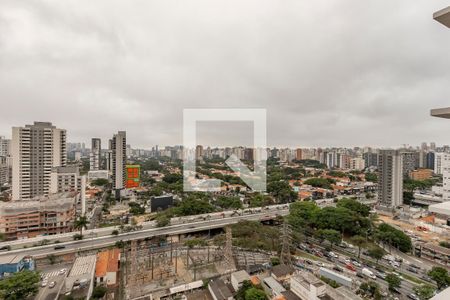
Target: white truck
{"type": "Point", "coordinates": [368, 273]}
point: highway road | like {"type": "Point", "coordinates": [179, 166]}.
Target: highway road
{"type": "Point", "coordinates": [407, 286]}
{"type": "Point", "coordinates": [150, 231]}
{"type": "Point", "coordinates": [106, 231]}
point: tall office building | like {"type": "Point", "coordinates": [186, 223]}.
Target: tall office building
{"type": "Point", "coordinates": [199, 152]}
{"type": "Point", "coordinates": [438, 158]}
{"type": "Point", "coordinates": [65, 179]}
{"type": "Point", "coordinates": [4, 171]}
{"type": "Point", "coordinates": [442, 167]}
{"type": "Point", "coordinates": [430, 160]}
{"type": "Point", "coordinates": [4, 146]}
{"type": "Point", "coordinates": [95, 156]}
{"type": "Point", "coordinates": [410, 162]}
{"type": "Point", "coordinates": [390, 178]}
{"type": "Point", "coordinates": [118, 149]}
{"type": "Point", "coordinates": [432, 146]}
{"type": "Point", "coordinates": [5, 160]}
{"type": "Point", "coordinates": [370, 158]}
{"type": "Point", "coordinates": [298, 154]}
{"type": "Point", "coordinates": [36, 149]}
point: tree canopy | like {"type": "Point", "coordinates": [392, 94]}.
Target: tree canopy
{"type": "Point", "coordinates": [393, 281]}
{"type": "Point", "coordinates": [394, 237]}
{"type": "Point", "coordinates": [440, 276]}
{"type": "Point", "coordinates": [424, 291]}
{"type": "Point", "coordinates": [282, 191]}
{"type": "Point", "coordinates": [354, 206]}
{"type": "Point", "coordinates": [100, 182]}
{"type": "Point", "coordinates": [324, 183]}
{"type": "Point", "coordinates": [20, 285]}
{"type": "Point", "coordinates": [228, 202]}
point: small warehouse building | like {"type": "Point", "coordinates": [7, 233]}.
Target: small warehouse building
{"type": "Point", "coordinates": [13, 263]}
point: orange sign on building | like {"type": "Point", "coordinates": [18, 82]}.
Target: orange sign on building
{"type": "Point", "coordinates": [133, 176]}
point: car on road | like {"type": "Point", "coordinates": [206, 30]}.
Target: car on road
{"type": "Point", "coordinates": [396, 290]}
{"type": "Point", "coordinates": [332, 254]}
{"type": "Point", "coordinates": [62, 271]}
{"type": "Point", "coordinates": [337, 268]}
{"type": "Point", "coordinates": [356, 263]}
{"type": "Point", "coordinates": [51, 284]}
{"type": "Point", "coordinates": [381, 275]}
{"type": "Point", "coordinates": [413, 296]}
{"type": "Point", "coordinates": [360, 275]}
{"type": "Point", "coordinates": [350, 267]}
{"type": "Point", "coordinates": [59, 247]}
{"type": "Point", "coordinates": [394, 264]}
{"type": "Point", "coordinates": [368, 273]}
{"type": "Point", "coordinates": [412, 270]}
{"type": "Point", "coordinates": [317, 253]}
{"type": "Point", "coordinates": [308, 262]}
{"type": "Point", "coordinates": [44, 283]}
{"type": "Point", "coordinates": [5, 248]}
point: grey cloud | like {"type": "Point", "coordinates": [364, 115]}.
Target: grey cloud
{"type": "Point", "coordinates": [328, 72]}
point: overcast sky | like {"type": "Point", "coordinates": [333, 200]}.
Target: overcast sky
{"type": "Point", "coordinates": [329, 72]}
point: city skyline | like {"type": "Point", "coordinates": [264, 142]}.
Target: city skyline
{"type": "Point", "coordinates": [349, 81]}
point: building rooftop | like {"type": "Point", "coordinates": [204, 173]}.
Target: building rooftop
{"type": "Point", "coordinates": [345, 293]}
{"type": "Point", "coordinates": [440, 208]}
{"type": "Point", "coordinates": [186, 287]}
{"type": "Point", "coordinates": [274, 285]}
{"type": "Point", "coordinates": [241, 275]}
{"type": "Point", "coordinates": [288, 295]}
{"type": "Point", "coordinates": [11, 259]}
{"type": "Point", "coordinates": [443, 16]}
{"type": "Point", "coordinates": [441, 112]}
{"type": "Point", "coordinates": [220, 289]}
{"type": "Point", "coordinates": [444, 295]}
{"type": "Point", "coordinates": [83, 265]}
{"type": "Point", "coordinates": [55, 202]}
{"type": "Point", "coordinates": [107, 261]}
{"type": "Point", "coordinates": [255, 280]}
{"type": "Point", "coordinates": [282, 270]}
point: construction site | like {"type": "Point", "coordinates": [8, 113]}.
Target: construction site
{"type": "Point", "coordinates": [153, 266]}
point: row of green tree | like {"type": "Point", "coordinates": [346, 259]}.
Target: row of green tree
{"type": "Point", "coordinates": [349, 218]}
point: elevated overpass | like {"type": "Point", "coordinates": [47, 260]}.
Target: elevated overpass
{"type": "Point", "coordinates": [178, 226]}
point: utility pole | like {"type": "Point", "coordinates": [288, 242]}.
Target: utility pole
{"type": "Point", "coordinates": [286, 238]}
{"type": "Point", "coordinates": [229, 248]}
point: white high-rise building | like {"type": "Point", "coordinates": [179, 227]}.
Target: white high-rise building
{"type": "Point", "coordinates": [118, 148]}
{"type": "Point", "coordinates": [4, 146]}
{"type": "Point", "coordinates": [65, 179]}
{"type": "Point", "coordinates": [95, 156]}
{"type": "Point", "coordinates": [390, 179]}
{"type": "Point", "coordinates": [445, 168]}
{"type": "Point", "coordinates": [4, 171]}
{"type": "Point", "coordinates": [35, 149]}
{"type": "Point", "coordinates": [357, 163]}
{"type": "Point", "coordinates": [5, 160]}
{"type": "Point", "coordinates": [438, 158]}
